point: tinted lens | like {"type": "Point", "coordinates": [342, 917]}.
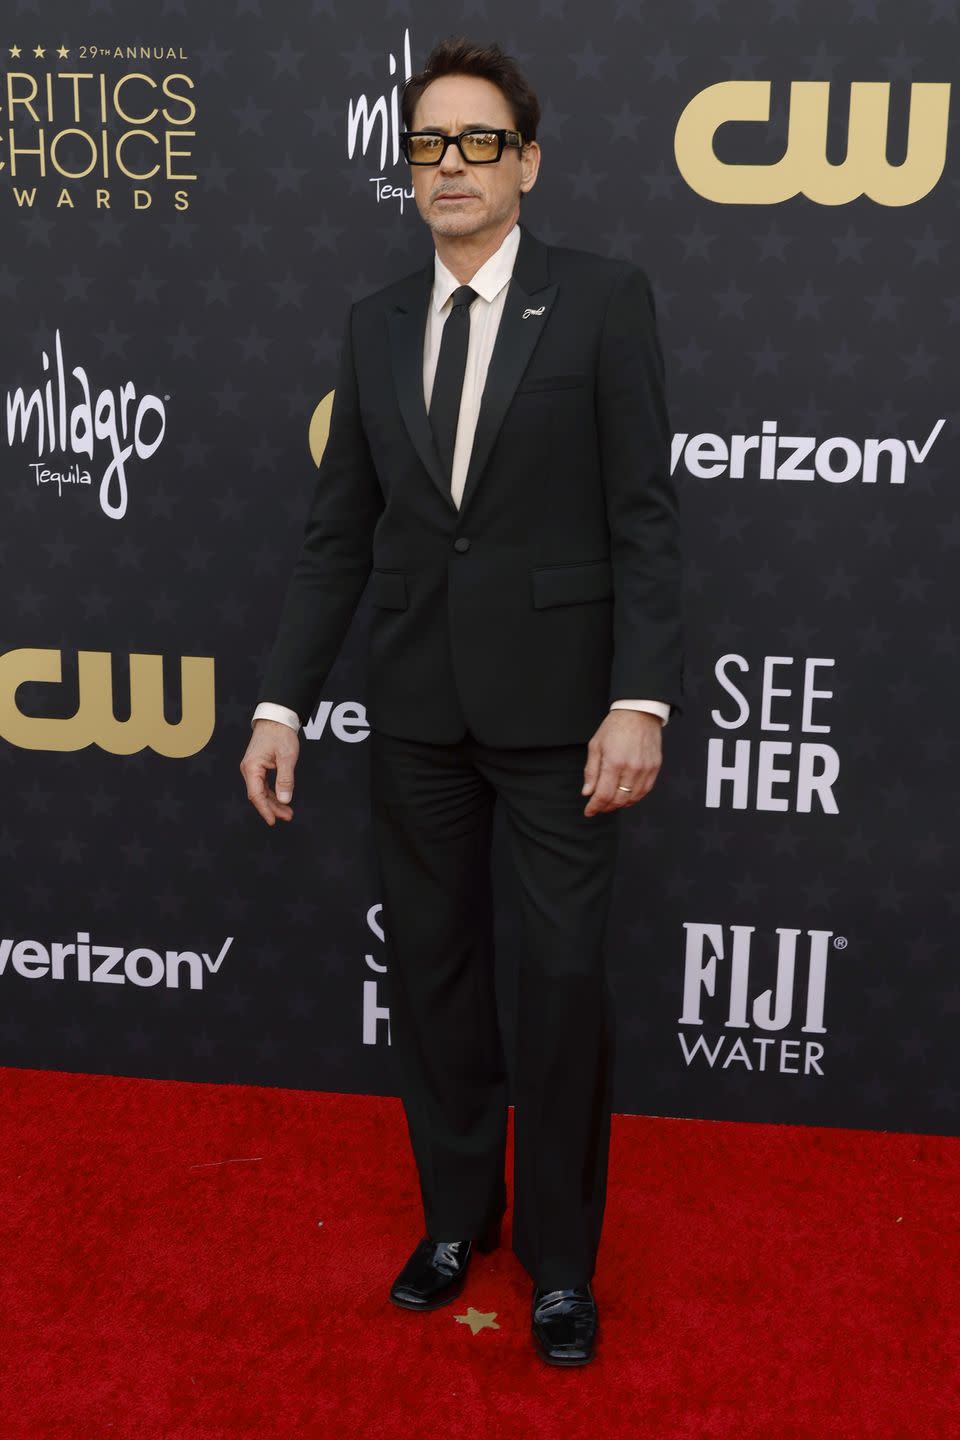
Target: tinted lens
{"type": "Point", "coordinates": [424, 148]}
{"type": "Point", "coordinates": [480, 145]}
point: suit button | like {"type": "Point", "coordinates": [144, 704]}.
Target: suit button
{"type": "Point", "coordinates": [461, 543]}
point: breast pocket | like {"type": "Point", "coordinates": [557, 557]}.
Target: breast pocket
{"type": "Point", "coordinates": [537, 383]}
{"type": "Point", "coordinates": [572, 584]}
{"type": "Point", "coordinates": [388, 589]}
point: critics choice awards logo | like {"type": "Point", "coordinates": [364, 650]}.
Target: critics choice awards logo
{"type": "Point", "coordinates": [89, 125]}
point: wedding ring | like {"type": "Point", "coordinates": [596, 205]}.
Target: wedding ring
{"type": "Point", "coordinates": [628, 788]}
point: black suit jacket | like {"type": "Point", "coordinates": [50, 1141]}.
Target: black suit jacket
{"type": "Point", "coordinates": [555, 588]}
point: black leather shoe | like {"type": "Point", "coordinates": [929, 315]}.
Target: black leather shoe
{"type": "Point", "coordinates": [565, 1324]}
{"type": "Point", "coordinates": [436, 1272]}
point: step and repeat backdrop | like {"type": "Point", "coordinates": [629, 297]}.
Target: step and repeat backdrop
{"type": "Point", "coordinates": [192, 196]}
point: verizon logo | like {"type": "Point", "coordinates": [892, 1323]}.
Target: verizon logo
{"type": "Point", "coordinates": [79, 960]}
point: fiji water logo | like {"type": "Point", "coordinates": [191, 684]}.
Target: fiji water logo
{"type": "Point", "coordinates": [60, 419]}
{"type": "Point", "coordinates": [754, 1007]}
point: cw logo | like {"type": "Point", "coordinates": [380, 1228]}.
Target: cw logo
{"type": "Point", "coordinates": [94, 722]}
{"type": "Point", "coordinates": [804, 169]}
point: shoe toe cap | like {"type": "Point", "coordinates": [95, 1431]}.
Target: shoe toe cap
{"type": "Point", "coordinates": [563, 1350]}
{"type": "Point", "coordinates": [407, 1295]}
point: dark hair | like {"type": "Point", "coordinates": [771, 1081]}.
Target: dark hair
{"type": "Point", "coordinates": [459, 56]}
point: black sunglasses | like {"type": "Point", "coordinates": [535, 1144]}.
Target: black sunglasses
{"type": "Point", "coordinates": [478, 147]}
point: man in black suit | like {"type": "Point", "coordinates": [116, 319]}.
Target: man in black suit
{"type": "Point", "coordinates": [497, 470]}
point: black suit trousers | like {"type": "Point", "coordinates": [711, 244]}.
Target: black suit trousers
{"type": "Point", "coordinates": [432, 809]}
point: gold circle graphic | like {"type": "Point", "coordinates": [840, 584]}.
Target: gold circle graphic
{"type": "Point", "coordinates": [319, 431]}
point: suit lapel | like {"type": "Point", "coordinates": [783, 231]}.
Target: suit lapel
{"type": "Point", "coordinates": [407, 325]}
{"type": "Point", "coordinates": [526, 311]}
{"type": "Point", "coordinates": [521, 325]}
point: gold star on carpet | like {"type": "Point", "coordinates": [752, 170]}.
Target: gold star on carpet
{"type": "Point", "coordinates": [62, 52]}
{"type": "Point", "coordinates": [38, 52]}
{"type": "Point", "coordinates": [477, 1320]}
{"type": "Point", "coordinates": [14, 52]}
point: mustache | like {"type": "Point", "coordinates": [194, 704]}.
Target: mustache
{"type": "Point", "coordinates": [453, 190]}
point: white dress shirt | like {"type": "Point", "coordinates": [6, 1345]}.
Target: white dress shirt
{"type": "Point", "coordinates": [490, 282]}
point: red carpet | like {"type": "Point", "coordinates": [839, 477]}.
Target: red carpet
{"type": "Point", "coordinates": [196, 1262]}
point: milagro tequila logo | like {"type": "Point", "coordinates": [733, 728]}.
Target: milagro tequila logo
{"type": "Point", "coordinates": [57, 419]}
{"type": "Point", "coordinates": [373, 123]}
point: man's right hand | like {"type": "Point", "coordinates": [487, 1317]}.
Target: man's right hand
{"type": "Point", "coordinates": [273, 746]}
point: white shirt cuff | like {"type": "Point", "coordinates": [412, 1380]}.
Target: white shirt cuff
{"type": "Point", "coordinates": [655, 707]}
{"type": "Point", "coordinates": [266, 711]}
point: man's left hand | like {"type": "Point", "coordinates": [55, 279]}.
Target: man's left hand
{"type": "Point", "coordinates": [625, 750]}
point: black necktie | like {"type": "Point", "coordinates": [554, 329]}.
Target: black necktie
{"type": "Point", "coordinates": [448, 380]}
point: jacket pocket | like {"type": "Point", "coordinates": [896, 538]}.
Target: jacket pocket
{"type": "Point", "coordinates": [572, 584]}
{"type": "Point", "coordinates": [550, 382]}
{"type": "Point", "coordinates": [388, 589]}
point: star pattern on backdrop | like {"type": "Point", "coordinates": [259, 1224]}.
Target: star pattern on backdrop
{"type": "Point", "coordinates": [832, 321]}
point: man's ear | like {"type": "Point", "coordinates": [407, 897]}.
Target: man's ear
{"type": "Point", "coordinates": [529, 165]}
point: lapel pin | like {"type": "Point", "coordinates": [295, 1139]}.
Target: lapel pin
{"type": "Point", "coordinates": [527, 313]}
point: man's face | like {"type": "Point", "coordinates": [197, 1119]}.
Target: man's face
{"type": "Point", "coordinates": [454, 197]}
